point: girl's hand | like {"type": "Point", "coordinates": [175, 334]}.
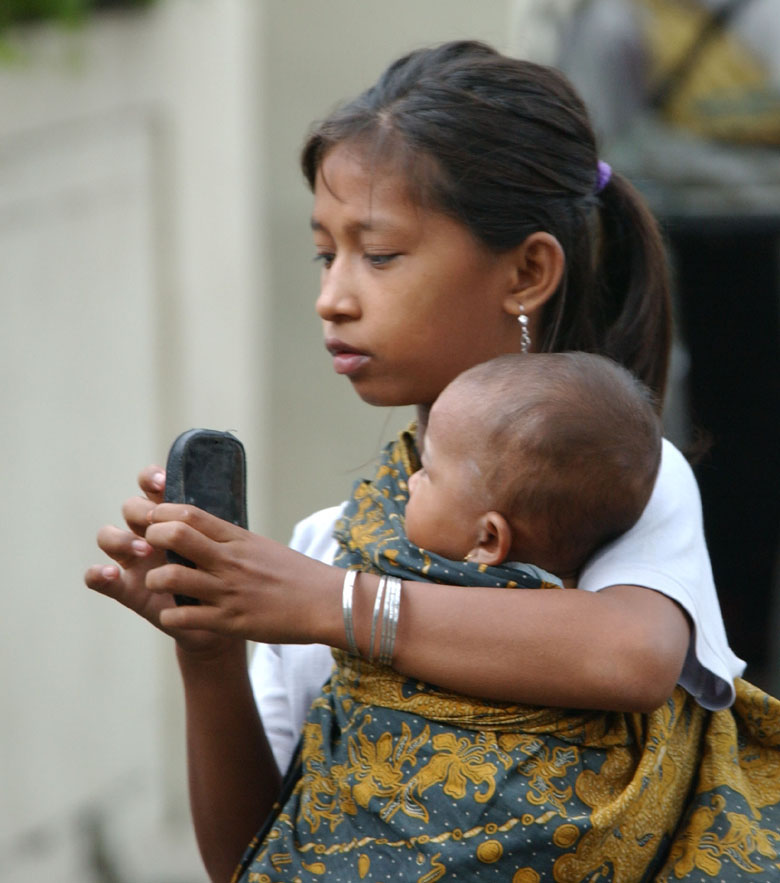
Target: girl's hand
{"type": "Point", "coordinates": [249, 586]}
{"type": "Point", "coordinates": [135, 559]}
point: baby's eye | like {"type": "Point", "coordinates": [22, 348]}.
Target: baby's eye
{"type": "Point", "coordinates": [325, 258]}
{"type": "Point", "coordinates": [380, 260]}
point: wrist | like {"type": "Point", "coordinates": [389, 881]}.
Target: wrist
{"type": "Point", "coordinates": [370, 607]}
{"type": "Point", "coordinates": [230, 653]}
{"type": "Point", "coordinates": [324, 623]}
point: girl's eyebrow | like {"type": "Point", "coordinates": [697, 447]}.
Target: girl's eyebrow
{"type": "Point", "coordinates": [357, 226]}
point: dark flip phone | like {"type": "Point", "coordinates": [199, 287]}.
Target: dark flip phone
{"type": "Point", "coordinates": [207, 469]}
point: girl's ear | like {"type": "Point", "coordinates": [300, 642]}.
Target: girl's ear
{"type": "Point", "coordinates": [494, 540]}
{"type": "Point", "coordinates": [538, 265]}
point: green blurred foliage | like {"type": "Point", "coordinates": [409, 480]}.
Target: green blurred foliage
{"type": "Point", "coordinates": [13, 12]}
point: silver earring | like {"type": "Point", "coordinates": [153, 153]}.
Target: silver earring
{"type": "Point", "coordinates": [525, 337]}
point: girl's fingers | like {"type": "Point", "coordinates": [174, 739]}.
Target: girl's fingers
{"type": "Point", "coordinates": [186, 538]}
{"type": "Point", "coordinates": [102, 578]}
{"type": "Point", "coordinates": [203, 522]}
{"type": "Point", "coordinates": [191, 617]}
{"type": "Point", "coordinates": [152, 482]}
{"type": "Point", "coordinates": [135, 512]}
{"type": "Point", "coordinates": [123, 546]}
{"type": "Point", "coordinates": [176, 579]}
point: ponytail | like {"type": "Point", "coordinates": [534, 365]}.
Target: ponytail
{"type": "Point", "coordinates": [615, 298]}
{"type": "Point", "coordinates": [634, 268]}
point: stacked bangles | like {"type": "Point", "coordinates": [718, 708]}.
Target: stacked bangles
{"type": "Point", "coordinates": [385, 616]}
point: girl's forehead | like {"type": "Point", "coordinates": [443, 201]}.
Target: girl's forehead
{"type": "Point", "coordinates": [348, 174]}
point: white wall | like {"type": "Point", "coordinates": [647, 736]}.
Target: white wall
{"type": "Point", "coordinates": [155, 274]}
{"type": "Point", "coordinates": [131, 254]}
{"type": "Point", "coordinates": [317, 55]}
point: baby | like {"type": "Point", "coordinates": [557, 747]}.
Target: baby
{"type": "Point", "coordinates": [540, 459]}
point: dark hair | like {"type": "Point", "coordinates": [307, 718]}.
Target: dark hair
{"type": "Point", "coordinates": [577, 446]}
{"type": "Point", "coordinates": [505, 147]}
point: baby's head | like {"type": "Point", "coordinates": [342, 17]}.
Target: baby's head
{"type": "Point", "coordinates": [541, 458]}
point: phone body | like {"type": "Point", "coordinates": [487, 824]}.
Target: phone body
{"type": "Point", "coordinates": [207, 469]}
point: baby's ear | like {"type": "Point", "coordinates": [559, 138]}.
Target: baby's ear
{"type": "Point", "coordinates": [494, 540]}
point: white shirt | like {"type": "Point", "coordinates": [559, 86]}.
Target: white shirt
{"type": "Point", "coordinates": [664, 551]}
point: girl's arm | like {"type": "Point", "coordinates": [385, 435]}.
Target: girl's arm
{"type": "Point", "coordinates": [233, 777]}
{"type": "Point", "coordinates": [618, 649]}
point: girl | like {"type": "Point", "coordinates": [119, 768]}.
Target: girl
{"type": "Point", "coordinates": [459, 195]}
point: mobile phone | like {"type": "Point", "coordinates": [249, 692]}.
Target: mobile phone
{"type": "Point", "coordinates": [207, 469]}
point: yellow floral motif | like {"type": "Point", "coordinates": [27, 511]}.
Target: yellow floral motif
{"type": "Point", "coordinates": [378, 770]}
{"type": "Point", "coordinates": [395, 774]}
{"type": "Point", "coordinates": [456, 760]}
{"type": "Point", "coordinates": [541, 766]}
{"type": "Point", "coordinates": [317, 788]}
{"type": "Point", "coordinates": [703, 849]}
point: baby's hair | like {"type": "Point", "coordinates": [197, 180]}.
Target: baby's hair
{"type": "Point", "coordinates": [505, 147]}
{"type": "Point", "coordinates": [588, 440]}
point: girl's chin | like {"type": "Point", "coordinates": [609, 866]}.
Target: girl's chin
{"type": "Point", "coordinates": [382, 397]}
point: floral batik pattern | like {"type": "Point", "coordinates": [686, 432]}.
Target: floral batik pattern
{"type": "Point", "coordinates": [398, 780]}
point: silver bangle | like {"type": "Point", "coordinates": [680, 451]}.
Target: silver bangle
{"type": "Point", "coordinates": [390, 610]}
{"type": "Point", "coordinates": [381, 591]}
{"type": "Point", "coordinates": [346, 608]}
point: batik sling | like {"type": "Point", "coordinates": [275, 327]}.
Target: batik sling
{"type": "Point", "coordinates": [397, 780]}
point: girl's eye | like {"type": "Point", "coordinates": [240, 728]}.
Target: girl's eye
{"type": "Point", "coordinates": [325, 258]}
{"type": "Point", "coordinates": [380, 260]}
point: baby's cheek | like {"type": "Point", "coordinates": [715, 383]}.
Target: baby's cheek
{"type": "Point", "coordinates": [411, 521]}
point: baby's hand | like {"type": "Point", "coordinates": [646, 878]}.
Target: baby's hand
{"type": "Point", "coordinates": [248, 586]}
{"type": "Point", "coordinates": [135, 559]}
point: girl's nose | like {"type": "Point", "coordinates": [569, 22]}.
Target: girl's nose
{"type": "Point", "coordinates": [337, 298]}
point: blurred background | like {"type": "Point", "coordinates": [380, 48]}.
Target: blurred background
{"type": "Point", "coordinates": [156, 274]}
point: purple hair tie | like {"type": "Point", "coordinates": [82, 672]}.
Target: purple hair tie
{"type": "Point", "coordinates": [604, 174]}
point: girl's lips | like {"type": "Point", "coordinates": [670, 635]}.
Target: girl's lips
{"type": "Point", "coordinates": [349, 363]}
{"type": "Point", "coordinates": [346, 359]}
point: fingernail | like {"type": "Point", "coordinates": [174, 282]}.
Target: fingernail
{"type": "Point", "coordinates": [140, 547]}
{"type": "Point", "coordinates": [109, 572]}
{"type": "Point", "coordinates": [158, 480]}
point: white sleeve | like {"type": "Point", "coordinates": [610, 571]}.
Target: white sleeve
{"type": "Point", "coordinates": [666, 551]}
{"type": "Point", "coordinates": [287, 677]}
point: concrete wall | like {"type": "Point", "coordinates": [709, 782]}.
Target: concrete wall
{"type": "Point", "coordinates": [317, 55]}
{"type": "Point", "coordinates": [131, 253]}
{"type": "Point", "coordinates": [155, 274]}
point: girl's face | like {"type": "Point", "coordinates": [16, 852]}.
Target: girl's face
{"type": "Point", "coordinates": [408, 297]}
